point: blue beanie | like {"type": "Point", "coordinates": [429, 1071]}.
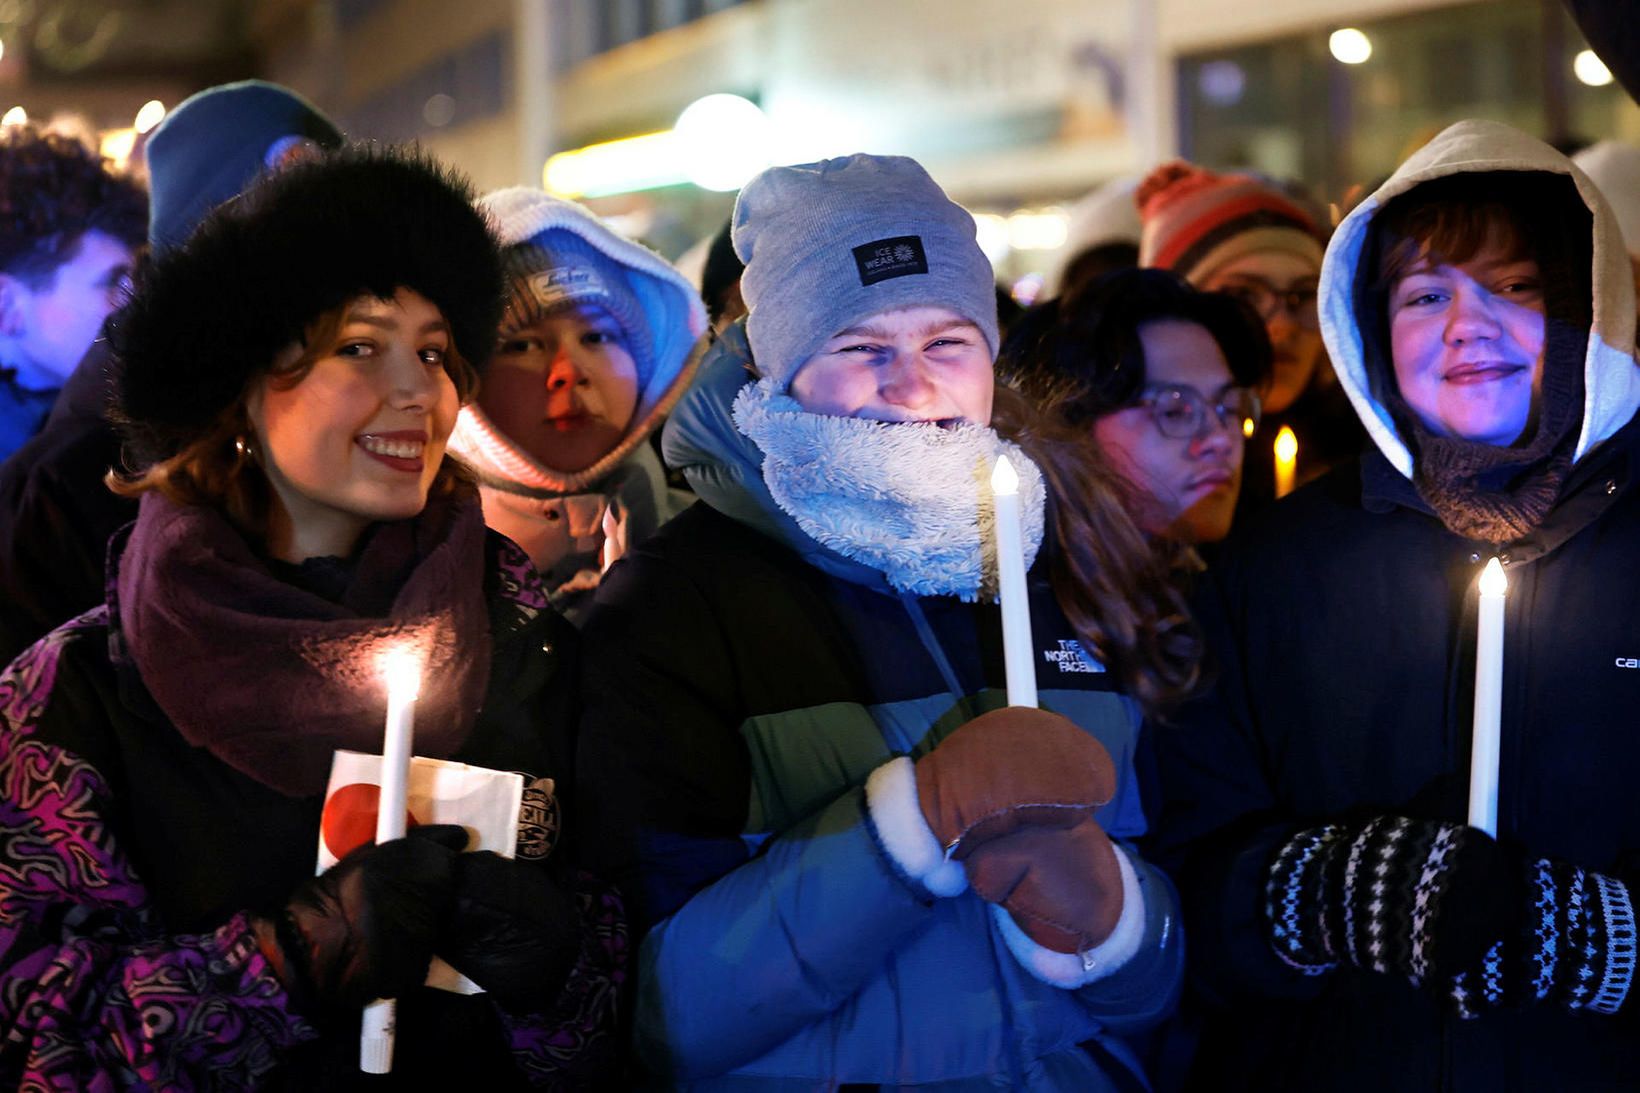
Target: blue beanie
{"type": "Point", "coordinates": [213, 145]}
{"type": "Point", "coordinates": [829, 244]}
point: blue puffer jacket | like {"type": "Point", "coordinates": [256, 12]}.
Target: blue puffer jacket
{"type": "Point", "coordinates": [742, 683]}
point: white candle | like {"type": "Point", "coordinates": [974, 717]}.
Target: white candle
{"type": "Point", "coordinates": [1016, 607]}
{"type": "Point", "coordinates": [403, 674]}
{"type": "Point", "coordinates": [1484, 741]}
{"type": "Point", "coordinates": [1286, 460]}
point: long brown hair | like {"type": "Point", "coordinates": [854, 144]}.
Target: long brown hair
{"type": "Point", "coordinates": [1117, 588]}
{"type": "Point", "coordinates": [222, 466]}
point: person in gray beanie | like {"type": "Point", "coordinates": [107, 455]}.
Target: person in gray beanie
{"type": "Point", "coordinates": [594, 349]}
{"type": "Point", "coordinates": [855, 863]}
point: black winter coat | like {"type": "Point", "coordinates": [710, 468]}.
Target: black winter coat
{"type": "Point", "coordinates": [1345, 626]}
{"type": "Point", "coordinates": [56, 515]}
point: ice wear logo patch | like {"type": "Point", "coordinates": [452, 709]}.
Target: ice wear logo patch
{"type": "Point", "coordinates": [900, 256]}
{"type": "Point", "coordinates": [552, 287]}
{"type": "Point", "coordinates": [1071, 657]}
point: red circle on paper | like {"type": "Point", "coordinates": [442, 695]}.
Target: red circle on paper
{"type": "Point", "coordinates": [349, 818]}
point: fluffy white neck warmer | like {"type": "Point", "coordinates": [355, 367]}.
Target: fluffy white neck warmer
{"type": "Point", "coordinates": [910, 500]}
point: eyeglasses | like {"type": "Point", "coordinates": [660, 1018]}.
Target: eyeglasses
{"type": "Point", "coordinates": [1181, 412]}
{"type": "Point", "coordinates": [1267, 299]}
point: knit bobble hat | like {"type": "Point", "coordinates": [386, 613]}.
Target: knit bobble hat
{"type": "Point", "coordinates": [559, 269]}
{"type": "Point", "coordinates": [1196, 221]}
{"type": "Point", "coordinates": [829, 244]}
{"type": "Point", "coordinates": [207, 317]}
{"type": "Point", "coordinates": [215, 143]}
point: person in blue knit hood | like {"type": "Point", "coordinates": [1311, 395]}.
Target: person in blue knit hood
{"type": "Point", "coordinates": [594, 351]}
{"type": "Point", "coordinates": [855, 863]}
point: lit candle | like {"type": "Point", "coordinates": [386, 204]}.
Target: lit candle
{"type": "Point", "coordinates": [1286, 460]}
{"type": "Point", "coordinates": [403, 673]}
{"type": "Point", "coordinates": [1016, 608]}
{"type": "Point", "coordinates": [1484, 741]}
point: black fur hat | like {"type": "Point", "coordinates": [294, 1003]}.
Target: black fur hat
{"type": "Point", "coordinates": [207, 316]}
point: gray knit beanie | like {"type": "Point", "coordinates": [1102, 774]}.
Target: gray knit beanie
{"type": "Point", "coordinates": [829, 244]}
{"type": "Point", "coordinates": [558, 269]}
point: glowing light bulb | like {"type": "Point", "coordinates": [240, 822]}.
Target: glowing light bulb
{"type": "Point", "coordinates": [1349, 46]}
{"type": "Point", "coordinates": [1590, 69]}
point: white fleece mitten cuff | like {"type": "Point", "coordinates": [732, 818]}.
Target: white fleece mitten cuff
{"type": "Point", "coordinates": [891, 798]}
{"type": "Point", "coordinates": [1072, 970]}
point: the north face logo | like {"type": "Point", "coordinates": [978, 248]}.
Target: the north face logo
{"type": "Point", "coordinates": [1071, 657]}
{"type": "Point", "coordinates": [886, 258]}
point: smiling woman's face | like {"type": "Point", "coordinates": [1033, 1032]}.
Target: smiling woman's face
{"type": "Point", "coordinates": [913, 364]}
{"type": "Point", "coordinates": [1467, 342]}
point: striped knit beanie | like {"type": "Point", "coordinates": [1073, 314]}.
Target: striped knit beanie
{"type": "Point", "coordinates": [1196, 222]}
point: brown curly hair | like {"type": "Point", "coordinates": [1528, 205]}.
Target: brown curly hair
{"type": "Point", "coordinates": [1119, 591]}
{"type": "Point", "coordinates": [53, 190]}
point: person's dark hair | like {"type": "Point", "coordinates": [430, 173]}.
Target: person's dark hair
{"type": "Point", "coordinates": [1095, 262]}
{"type": "Point", "coordinates": [1080, 357]}
{"type": "Point", "coordinates": [1117, 589]}
{"type": "Point", "coordinates": [53, 190]}
{"type": "Point", "coordinates": [720, 274]}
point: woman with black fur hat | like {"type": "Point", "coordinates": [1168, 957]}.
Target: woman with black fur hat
{"type": "Point", "coordinates": [289, 378]}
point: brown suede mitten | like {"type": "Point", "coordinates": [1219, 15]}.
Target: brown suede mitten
{"type": "Point", "coordinates": [1007, 768]}
{"type": "Point", "coordinates": [1063, 886]}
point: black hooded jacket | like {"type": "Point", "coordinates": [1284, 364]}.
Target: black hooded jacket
{"type": "Point", "coordinates": [1343, 629]}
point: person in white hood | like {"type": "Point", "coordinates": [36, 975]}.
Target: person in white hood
{"type": "Point", "coordinates": [593, 351]}
{"type": "Point", "coordinates": [1349, 930]}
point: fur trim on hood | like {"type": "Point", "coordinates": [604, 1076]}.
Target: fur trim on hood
{"type": "Point", "coordinates": [212, 313]}
{"type": "Point", "coordinates": [1611, 379]}
{"type": "Point", "coordinates": [676, 319]}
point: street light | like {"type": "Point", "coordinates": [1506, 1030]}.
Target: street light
{"type": "Point", "coordinates": [1591, 69]}
{"type": "Point", "coordinates": [1349, 45]}
{"type": "Point", "coordinates": [723, 141]}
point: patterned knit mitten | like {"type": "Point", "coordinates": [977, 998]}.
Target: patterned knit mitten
{"type": "Point", "coordinates": [1415, 898]}
{"type": "Point", "coordinates": [1575, 947]}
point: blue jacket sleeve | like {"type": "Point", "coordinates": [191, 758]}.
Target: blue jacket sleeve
{"type": "Point", "coordinates": [773, 946]}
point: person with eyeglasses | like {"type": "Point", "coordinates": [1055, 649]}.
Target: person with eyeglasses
{"type": "Point", "coordinates": [1166, 378]}
{"type": "Point", "coordinates": [1250, 238]}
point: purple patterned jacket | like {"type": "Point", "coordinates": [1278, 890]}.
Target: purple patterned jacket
{"type": "Point", "coordinates": [97, 991]}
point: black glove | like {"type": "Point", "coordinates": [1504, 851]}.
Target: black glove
{"type": "Point", "coordinates": [1574, 947]}
{"type": "Point", "coordinates": [1421, 899]}
{"type": "Point", "coordinates": [514, 931]}
{"type": "Point", "coordinates": [364, 929]}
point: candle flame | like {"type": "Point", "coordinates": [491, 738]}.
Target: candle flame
{"type": "Point", "coordinates": [1286, 445]}
{"type": "Point", "coordinates": [403, 671]}
{"type": "Point", "coordinates": [1247, 426]}
{"type": "Point", "coordinates": [1493, 582]}
{"type": "Point", "coordinates": [1004, 479]}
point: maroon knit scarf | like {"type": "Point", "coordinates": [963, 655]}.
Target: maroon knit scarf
{"type": "Point", "coordinates": [270, 678]}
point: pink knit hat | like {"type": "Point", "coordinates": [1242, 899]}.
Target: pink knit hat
{"type": "Point", "coordinates": [1196, 221]}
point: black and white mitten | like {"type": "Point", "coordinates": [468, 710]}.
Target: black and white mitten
{"type": "Point", "coordinates": [1420, 899]}
{"type": "Point", "coordinates": [1575, 946]}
